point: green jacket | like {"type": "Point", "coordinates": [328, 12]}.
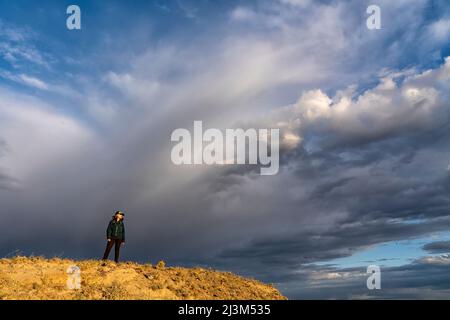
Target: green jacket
{"type": "Point", "coordinates": [116, 230]}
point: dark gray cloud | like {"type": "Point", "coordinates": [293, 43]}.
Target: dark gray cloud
{"type": "Point", "coordinates": [6, 182]}
{"type": "Point", "coordinates": [437, 247]}
{"type": "Point", "coordinates": [425, 278]}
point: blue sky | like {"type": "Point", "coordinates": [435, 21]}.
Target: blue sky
{"type": "Point", "coordinates": [390, 254]}
{"type": "Point", "coordinates": [86, 117]}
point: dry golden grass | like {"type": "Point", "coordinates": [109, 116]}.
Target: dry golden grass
{"type": "Point", "coordinates": [40, 278]}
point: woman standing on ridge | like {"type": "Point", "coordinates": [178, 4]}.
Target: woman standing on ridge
{"type": "Point", "coordinates": [115, 234]}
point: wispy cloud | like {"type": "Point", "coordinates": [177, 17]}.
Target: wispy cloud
{"type": "Point", "coordinates": [33, 82]}
{"type": "Point", "coordinates": [16, 46]}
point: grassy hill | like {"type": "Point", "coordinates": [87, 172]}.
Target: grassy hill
{"type": "Point", "coordinates": [39, 278]}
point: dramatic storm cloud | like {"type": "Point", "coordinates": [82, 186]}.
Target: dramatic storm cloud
{"type": "Point", "coordinates": [437, 247]}
{"type": "Point", "coordinates": [86, 118]}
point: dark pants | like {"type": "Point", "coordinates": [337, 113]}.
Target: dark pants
{"type": "Point", "coordinates": [109, 246]}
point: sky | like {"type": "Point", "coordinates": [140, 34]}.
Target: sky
{"type": "Point", "coordinates": [86, 118]}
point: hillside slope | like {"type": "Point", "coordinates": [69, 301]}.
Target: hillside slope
{"type": "Point", "coordinates": [39, 278]}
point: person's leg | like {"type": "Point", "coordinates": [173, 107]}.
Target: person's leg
{"type": "Point", "coordinates": [109, 245]}
{"type": "Point", "coordinates": [117, 250]}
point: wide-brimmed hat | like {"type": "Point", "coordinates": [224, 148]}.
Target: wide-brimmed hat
{"type": "Point", "coordinates": [119, 212]}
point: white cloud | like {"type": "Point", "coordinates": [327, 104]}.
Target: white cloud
{"type": "Point", "coordinates": [21, 51]}
{"type": "Point", "coordinates": [36, 136]}
{"type": "Point", "coordinates": [440, 29]}
{"type": "Point", "coordinates": [443, 259]}
{"type": "Point", "coordinates": [242, 14]}
{"type": "Point", "coordinates": [33, 82]}
{"type": "Point", "coordinates": [386, 110]}
{"type": "Point", "coordinates": [297, 3]}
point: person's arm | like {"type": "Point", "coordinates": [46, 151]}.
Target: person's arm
{"type": "Point", "coordinates": [109, 231]}
{"type": "Point", "coordinates": [123, 234]}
